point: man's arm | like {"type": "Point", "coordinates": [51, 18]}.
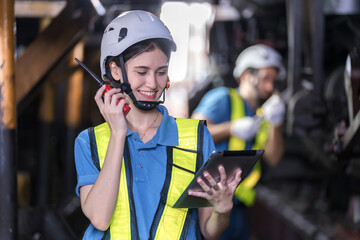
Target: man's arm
{"type": "Point", "coordinates": [274, 148]}
{"type": "Point", "coordinates": [219, 132]}
{"type": "Point", "coordinates": [274, 112]}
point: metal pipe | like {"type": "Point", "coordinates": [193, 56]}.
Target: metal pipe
{"type": "Point", "coordinates": [8, 193]}
{"type": "Point", "coordinates": [295, 29]}
{"type": "Point", "coordinates": [317, 44]}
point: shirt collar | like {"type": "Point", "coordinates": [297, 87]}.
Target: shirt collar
{"type": "Point", "coordinates": [166, 134]}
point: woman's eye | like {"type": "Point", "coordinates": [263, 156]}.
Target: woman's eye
{"type": "Point", "coordinates": [142, 73]}
{"type": "Point", "coordinates": [162, 73]}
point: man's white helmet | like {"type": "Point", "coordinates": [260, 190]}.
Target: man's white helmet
{"type": "Point", "coordinates": [258, 56]}
{"type": "Point", "coordinates": [129, 28]}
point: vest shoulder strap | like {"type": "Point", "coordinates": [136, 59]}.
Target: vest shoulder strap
{"type": "Point", "coordinates": [237, 111]}
{"type": "Point", "coordinates": [93, 148]}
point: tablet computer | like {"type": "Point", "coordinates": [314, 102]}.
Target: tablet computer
{"type": "Point", "coordinates": [231, 160]}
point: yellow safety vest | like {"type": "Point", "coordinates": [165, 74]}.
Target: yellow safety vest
{"type": "Point", "coordinates": [245, 192]}
{"type": "Point", "coordinates": [182, 163]}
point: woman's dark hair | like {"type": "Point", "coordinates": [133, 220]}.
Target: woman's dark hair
{"type": "Point", "coordinates": [138, 48]}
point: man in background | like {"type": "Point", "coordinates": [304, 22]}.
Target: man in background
{"type": "Point", "coordinates": [247, 117]}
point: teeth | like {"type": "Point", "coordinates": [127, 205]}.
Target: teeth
{"type": "Point", "coordinates": [147, 93]}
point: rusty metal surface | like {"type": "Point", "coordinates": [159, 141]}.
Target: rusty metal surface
{"type": "Point", "coordinates": [8, 196]}
{"type": "Point", "coordinates": [75, 89]}
{"type": "Point", "coordinates": [7, 109]}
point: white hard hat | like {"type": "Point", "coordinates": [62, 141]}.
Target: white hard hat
{"type": "Point", "coordinates": [258, 56]}
{"type": "Point", "coordinates": [129, 28]}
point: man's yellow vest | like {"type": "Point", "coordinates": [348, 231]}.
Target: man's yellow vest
{"type": "Point", "coordinates": [182, 163]}
{"type": "Point", "coordinates": [245, 192]}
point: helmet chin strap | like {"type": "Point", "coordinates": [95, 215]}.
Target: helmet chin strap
{"type": "Point", "coordinates": [126, 88]}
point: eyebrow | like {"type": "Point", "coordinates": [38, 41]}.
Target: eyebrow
{"type": "Point", "coordinates": [159, 68]}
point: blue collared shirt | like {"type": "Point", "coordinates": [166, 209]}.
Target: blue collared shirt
{"type": "Point", "coordinates": [148, 162]}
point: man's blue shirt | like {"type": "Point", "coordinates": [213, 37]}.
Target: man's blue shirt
{"type": "Point", "coordinates": [216, 106]}
{"type": "Point", "coordinates": [148, 162]}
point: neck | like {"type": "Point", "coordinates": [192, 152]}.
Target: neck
{"type": "Point", "coordinates": [145, 123]}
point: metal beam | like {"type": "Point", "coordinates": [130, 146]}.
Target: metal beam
{"type": "Point", "coordinates": [47, 49]}
{"type": "Point", "coordinates": [295, 31]}
{"type": "Point", "coordinates": [38, 9]}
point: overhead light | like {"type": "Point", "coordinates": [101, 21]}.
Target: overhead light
{"type": "Point", "coordinates": [226, 13]}
{"type": "Point", "coordinates": [99, 8]}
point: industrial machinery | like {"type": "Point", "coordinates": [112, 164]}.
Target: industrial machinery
{"type": "Point", "coordinates": [313, 193]}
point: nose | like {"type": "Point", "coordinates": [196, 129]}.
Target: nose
{"type": "Point", "coordinates": [270, 87]}
{"type": "Point", "coordinates": [151, 81]}
{"type": "Point", "coordinates": [267, 89]}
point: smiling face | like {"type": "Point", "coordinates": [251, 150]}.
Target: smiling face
{"type": "Point", "coordinates": [147, 74]}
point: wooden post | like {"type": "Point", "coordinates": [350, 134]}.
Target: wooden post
{"type": "Point", "coordinates": [8, 194]}
{"type": "Point", "coordinates": [72, 118]}
{"type": "Point", "coordinates": [74, 93]}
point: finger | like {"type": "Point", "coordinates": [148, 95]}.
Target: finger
{"type": "Point", "coordinates": [99, 93]}
{"type": "Point", "coordinates": [238, 175]}
{"type": "Point", "coordinates": [223, 176]}
{"type": "Point", "coordinates": [204, 186]}
{"type": "Point", "coordinates": [116, 99]}
{"type": "Point", "coordinates": [199, 194]}
{"type": "Point", "coordinates": [235, 183]}
{"type": "Point", "coordinates": [121, 106]}
{"type": "Point", "coordinates": [210, 179]}
{"type": "Point", "coordinates": [108, 96]}
{"type": "Point", "coordinates": [98, 99]}
{"type": "Point", "coordinates": [112, 91]}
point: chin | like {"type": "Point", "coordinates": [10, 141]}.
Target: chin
{"type": "Point", "coordinates": [262, 100]}
{"type": "Point", "coordinates": [266, 96]}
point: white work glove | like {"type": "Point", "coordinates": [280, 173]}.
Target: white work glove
{"type": "Point", "coordinates": [245, 128]}
{"type": "Point", "coordinates": [274, 110]}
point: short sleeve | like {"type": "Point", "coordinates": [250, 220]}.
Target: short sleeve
{"type": "Point", "coordinates": [85, 169]}
{"type": "Point", "coordinates": [208, 144]}
{"type": "Point", "coordinates": [215, 105]}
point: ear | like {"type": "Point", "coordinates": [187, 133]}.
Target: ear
{"type": "Point", "coordinates": [244, 77]}
{"type": "Point", "coordinates": [167, 84]}
{"type": "Point", "coordinates": [115, 71]}
{"type": "Point", "coordinates": [247, 76]}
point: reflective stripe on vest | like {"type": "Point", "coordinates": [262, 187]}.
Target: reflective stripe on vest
{"type": "Point", "coordinates": [120, 225]}
{"type": "Point", "coordinates": [183, 161]}
{"type": "Point", "coordinates": [245, 192]}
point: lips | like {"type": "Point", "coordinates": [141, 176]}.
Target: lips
{"type": "Point", "coordinates": [148, 94]}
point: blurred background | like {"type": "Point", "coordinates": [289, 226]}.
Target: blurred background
{"type": "Point", "coordinates": [46, 99]}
